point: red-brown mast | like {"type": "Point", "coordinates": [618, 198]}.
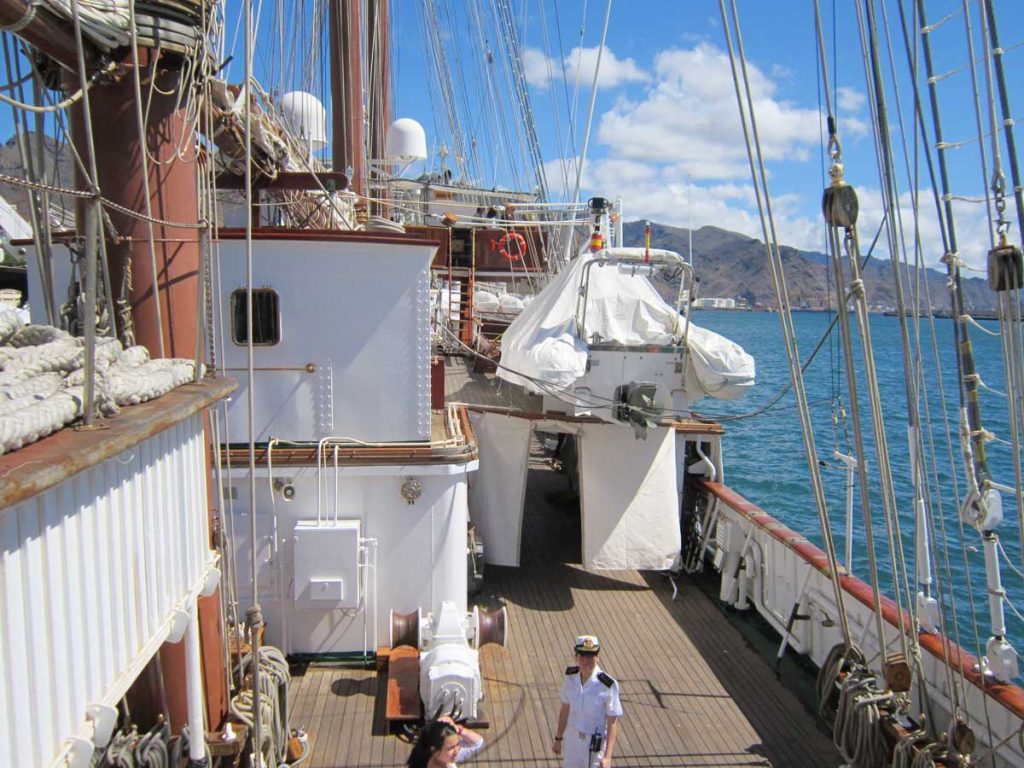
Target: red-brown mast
{"type": "Point", "coordinates": [379, 91]}
{"type": "Point", "coordinates": [347, 139]}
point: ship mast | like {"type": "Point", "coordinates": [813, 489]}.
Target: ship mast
{"type": "Point", "coordinates": [378, 98]}
{"type": "Point", "coordinates": [347, 139]}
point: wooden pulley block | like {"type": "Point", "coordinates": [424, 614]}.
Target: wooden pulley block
{"type": "Point", "coordinates": [492, 627]}
{"type": "Point", "coordinates": [839, 205]}
{"type": "Point", "coordinates": [897, 674]}
{"type": "Point", "coordinates": [405, 629]}
{"type": "Point", "coordinates": [1005, 268]}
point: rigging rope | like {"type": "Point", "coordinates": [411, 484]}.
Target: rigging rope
{"type": "Point", "coordinates": [269, 704]}
{"type": "Point", "coordinates": [144, 158]}
{"type": "Point", "coordinates": [254, 614]}
{"type": "Point", "coordinates": [888, 183]}
{"type": "Point", "coordinates": [1011, 324]}
{"type": "Point", "coordinates": [760, 182]}
{"type": "Point", "coordinates": [944, 574]}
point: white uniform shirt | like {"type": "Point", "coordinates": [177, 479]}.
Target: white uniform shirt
{"type": "Point", "coordinates": [590, 703]}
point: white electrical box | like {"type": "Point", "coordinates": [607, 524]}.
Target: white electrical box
{"type": "Point", "coordinates": [326, 563]}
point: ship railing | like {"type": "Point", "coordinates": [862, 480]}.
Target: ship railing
{"type": "Point", "coordinates": [784, 550]}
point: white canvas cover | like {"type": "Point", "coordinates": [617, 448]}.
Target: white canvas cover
{"type": "Point", "coordinates": [628, 498]}
{"type": "Point", "coordinates": [497, 488]}
{"type": "Point", "coordinates": [542, 347]}
{"type": "Point", "coordinates": [720, 367]}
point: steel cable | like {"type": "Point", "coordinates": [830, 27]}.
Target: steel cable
{"type": "Point", "coordinates": [760, 182]}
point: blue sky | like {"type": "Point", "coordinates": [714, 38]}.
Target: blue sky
{"type": "Point", "coordinates": [666, 135]}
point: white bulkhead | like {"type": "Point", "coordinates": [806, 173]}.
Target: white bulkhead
{"type": "Point", "coordinates": [96, 573]}
{"type": "Point", "coordinates": [342, 339]}
{"type": "Point", "coordinates": [341, 365]}
{"type": "Point", "coordinates": [409, 556]}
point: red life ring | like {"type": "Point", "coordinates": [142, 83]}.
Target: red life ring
{"type": "Point", "coordinates": [518, 247]}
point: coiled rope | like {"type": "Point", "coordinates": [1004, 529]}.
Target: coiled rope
{"type": "Point", "coordinates": [916, 750]}
{"type": "Point", "coordinates": [839, 660]}
{"type": "Point", "coordinates": [857, 733]}
{"type": "Point", "coordinates": [129, 750]}
{"type": "Point", "coordinates": [274, 679]}
{"type": "Point", "coordinates": [42, 379]}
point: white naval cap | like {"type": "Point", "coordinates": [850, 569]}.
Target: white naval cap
{"type": "Point", "coordinates": [587, 644]}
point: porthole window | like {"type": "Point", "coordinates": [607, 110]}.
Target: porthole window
{"type": "Point", "coordinates": [266, 317]}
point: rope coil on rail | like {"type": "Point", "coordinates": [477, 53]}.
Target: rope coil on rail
{"type": "Point", "coordinates": [42, 379]}
{"type": "Point", "coordinates": [274, 680]}
{"type": "Point", "coordinates": [858, 734]}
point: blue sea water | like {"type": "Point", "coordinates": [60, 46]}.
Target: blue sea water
{"type": "Point", "coordinates": [765, 458]}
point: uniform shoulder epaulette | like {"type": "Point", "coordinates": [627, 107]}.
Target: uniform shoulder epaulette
{"type": "Point", "coordinates": [572, 670]}
{"type": "Point", "coordinates": [606, 679]}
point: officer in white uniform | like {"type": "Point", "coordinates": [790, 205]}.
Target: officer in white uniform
{"type": "Point", "coordinates": [589, 718]}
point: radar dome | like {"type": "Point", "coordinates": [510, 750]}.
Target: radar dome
{"type": "Point", "coordinates": [405, 141]}
{"type": "Point", "coordinates": [305, 117]}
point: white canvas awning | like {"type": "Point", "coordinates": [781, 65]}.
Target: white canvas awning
{"type": "Point", "coordinates": [497, 488]}
{"type": "Point", "coordinates": [629, 502]}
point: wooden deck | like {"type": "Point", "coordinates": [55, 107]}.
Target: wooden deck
{"type": "Point", "coordinates": [694, 692]}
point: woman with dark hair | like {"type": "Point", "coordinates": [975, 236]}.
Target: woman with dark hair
{"type": "Point", "coordinates": [442, 743]}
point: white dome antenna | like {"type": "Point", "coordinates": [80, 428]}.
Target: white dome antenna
{"type": "Point", "coordinates": [305, 117]}
{"type": "Point", "coordinates": [405, 143]}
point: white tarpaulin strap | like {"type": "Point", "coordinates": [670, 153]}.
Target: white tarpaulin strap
{"type": "Point", "coordinates": [497, 488]}
{"type": "Point", "coordinates": [629, 501]}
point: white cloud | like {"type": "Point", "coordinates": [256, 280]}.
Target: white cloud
{"type": "Point", "coordinates": [675, 154]}
{"type": "Point", "coordinates": [664, 193]}
{"type": "Point", "coordinates": [614, 71]}
{"type": "Point", "coordinates": [689, 117]}
{"type": "Point", "coordinates": [850, 99]}
{"type": "Point", "coordinates": [972, 229]}
{"type": "Point", "coordinates": [540, 69]}
{"type": "Point", "coordinates": [853, 127]}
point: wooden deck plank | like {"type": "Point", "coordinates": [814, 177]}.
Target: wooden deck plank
{"type": "Point", "coordinates": [694, 692]}
{"type": "Point", "coordinates": [316, 690]}
{"type": "Point", "coordinates": [334, 712]}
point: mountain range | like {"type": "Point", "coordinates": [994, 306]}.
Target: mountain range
{"type": "Point", "coordinates": [731, 265]}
